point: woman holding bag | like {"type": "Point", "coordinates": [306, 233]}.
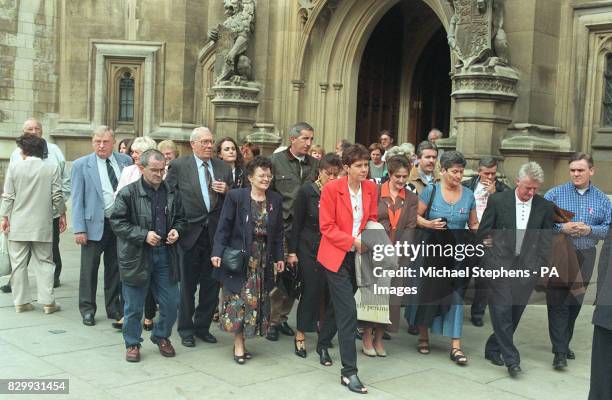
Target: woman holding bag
{"type": "Point", "coordinates": [347, 204]}
{"type": "Point", "coordinates": [252, 221]}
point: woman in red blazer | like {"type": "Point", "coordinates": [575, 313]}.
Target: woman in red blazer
{"type": "Point", "coordinates": [347, 204]}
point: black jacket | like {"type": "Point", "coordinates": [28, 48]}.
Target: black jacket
{"type": "Point", "coordinates": [471, 184]}
{"type": "Point", "coordinates": [235, 230]}
{"type": "Point", "coordinates": [131, 220]}
{"type": "Point", "coordinates": [183, 178]}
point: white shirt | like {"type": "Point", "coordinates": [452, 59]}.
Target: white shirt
{"type": "Point", "coordinates": [357, 205]}
{"type": "Point", "coordinates": [107, 189]}
{"type": "Point", "coordinates": [523, 209]}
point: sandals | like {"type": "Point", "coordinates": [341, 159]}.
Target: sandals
{"type": "Point", "coordinates": [353, 384]}
{"type": "Point", "coordinates": [324, 358]}
{"type": "Point", "coordinates": [423, 346]}
{"type": "Point", "coordinates": [458, 357]}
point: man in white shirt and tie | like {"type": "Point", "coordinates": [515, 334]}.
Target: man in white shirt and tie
{"type": "Point", "coordinates": [517, 227]}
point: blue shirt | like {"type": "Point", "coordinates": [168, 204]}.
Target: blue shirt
{"type": "Point", "coordinates": [202, 178]}
{"type": "Point", "coordinates": [593, 208]}
{"type": "Point", "coordinates": [458, 214]}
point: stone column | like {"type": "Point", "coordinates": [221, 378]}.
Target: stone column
{"type": "Point", "coordinates": [235, 110]}
{"type": "Point", "coordinates": [265, 136]}
{"type": "Point", "coordinates": [484, 98]}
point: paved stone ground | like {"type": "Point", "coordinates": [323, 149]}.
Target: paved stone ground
{"type": "Point", "coordinates": [34, 345]}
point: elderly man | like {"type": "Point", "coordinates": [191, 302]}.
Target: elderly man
{"type": "Point", "coordinates": [386, 141]}
{"type": "Point", "coordinates": [424, 174]}
{"type": "Point", "coordinates": [51, 154]}
{"type": "Point", "coordinates": [202, 182]}
{"type": "Point", "coordinates": [516, 225]}
{"type": "Point", "coordinates": [291, 169]}
{"type": "Point", "coordinates": [148, 219]}
{"type": "Point", "coordinates": [94, 181]}
{"type": "Point", "coordinates": [483, 185]}
{"type": "Point", "coordinates": [31, 196]}
{"type": "Point", "coordinates": [591, 209]}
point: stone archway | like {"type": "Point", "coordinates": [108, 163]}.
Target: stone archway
{"type": "Point", "coordinates": [326, 69]}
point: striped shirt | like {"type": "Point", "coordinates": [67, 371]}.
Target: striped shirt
{"type": "Point", "coordinates": [593, 208]}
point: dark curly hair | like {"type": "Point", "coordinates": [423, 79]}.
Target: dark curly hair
{"type": "Point", "coordinates": [259, 161]}
{"type": "Point", "coordinates": [31, 145]}
{"type": "Point", "coordinates": [239, 157]}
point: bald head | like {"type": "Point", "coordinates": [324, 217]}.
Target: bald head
{"type": "Point", "coordinates": [33, 127]}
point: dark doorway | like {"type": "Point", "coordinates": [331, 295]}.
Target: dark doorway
{"type": "Point", "coordinates": [431, 89]}
{"type": "Point", "coordinates": [378, 92]}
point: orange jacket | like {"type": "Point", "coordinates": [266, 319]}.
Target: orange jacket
{"type": "Point", "coordinates": [336, 220]}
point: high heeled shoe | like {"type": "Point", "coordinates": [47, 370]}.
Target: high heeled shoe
{"type": "Point", "coordinates": [301, 350]}
{"type": "Point", "coordinates": [353, 384]}
{"type": "Point", "coordinates": [241, 359]}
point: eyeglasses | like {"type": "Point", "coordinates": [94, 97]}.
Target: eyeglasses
{"type": "Point", "coordinates": [264, 176]}
{"type": "Point", "coordinates": [204, 142]}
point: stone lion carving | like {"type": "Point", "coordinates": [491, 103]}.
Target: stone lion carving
{"type": "Point", "coordinates": [232, 37]}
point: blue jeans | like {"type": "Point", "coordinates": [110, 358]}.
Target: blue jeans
{"type": "Point", "coordinates": [166, 293]}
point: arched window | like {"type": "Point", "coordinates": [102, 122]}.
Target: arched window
{"type": "Point", "coordinates": [126, 97]}
{"type": "Point", "coordinates": [607, 98]}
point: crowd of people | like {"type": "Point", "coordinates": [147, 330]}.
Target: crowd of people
{"type": "Point", "coordinates": [251, 235]}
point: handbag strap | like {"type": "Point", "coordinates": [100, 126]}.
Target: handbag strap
{"type": "Point", "coordinates": [430, 202]}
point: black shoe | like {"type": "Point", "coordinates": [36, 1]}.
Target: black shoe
{"type": "Point", "coordinates": [89, 320]}
{"type": "Point", "coordinates": [301, 350]}
{"type": "Point", "coordinates": [571, 355]}
{"type": "Point", "coordinates": [477, 322]}
{"type": "Point", "coordinates": [495, 358]}
{"type": "Point", "coordinates": [117, 325]}
{"type": "Point", "coordinates": [353, 383]}
{"type": "Point", "coordinates": [6, 288]}
{"type": "Point", "coordinates": [386, 336]}
{"type": "Point", "coordinates": [560, 361]}
{"type": "Point", "coordinates": [206, 337]}
{"type": "Point", "coordinates": [286, 329]}
{"type": "Point", "coordinates": [56, 283]}
{"type": "Point", "coordinates": [324, 357]}
{"type": "Point", "coordinates": [413, 330]}
{"type": "Point", "coordinates": [514, 370]}
{"type": "Point", "coordinates": [188, 341]}
{"type": "Point", "coordinates": [272, 333]}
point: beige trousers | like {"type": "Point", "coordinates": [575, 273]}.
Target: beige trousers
{"type": "Point", "coordinates": [39, 257]}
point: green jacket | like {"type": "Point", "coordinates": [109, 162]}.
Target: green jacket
{"type": "Point", "coordinates": [287, 180]}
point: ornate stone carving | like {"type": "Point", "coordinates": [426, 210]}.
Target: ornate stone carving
{"type": "Point", "coordinates": [476, 33]}
{"type": "Point", "coordinates": [233, 36]}
{"type": "Point", "coordinates": [483, 81]}
{"type": "Point", "coordinates": [306, 9]}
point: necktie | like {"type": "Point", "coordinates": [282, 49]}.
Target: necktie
{"type": "Point", "coordinates": [111, 175]}
{"type": "Point", "coordinates": [208, 177]}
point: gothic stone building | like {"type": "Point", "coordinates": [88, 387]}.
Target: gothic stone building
{"type": "Point", "coordinates": [525, 79]}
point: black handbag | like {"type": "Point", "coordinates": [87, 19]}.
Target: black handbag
{"type": "Point", "coordinates": [235, 261]}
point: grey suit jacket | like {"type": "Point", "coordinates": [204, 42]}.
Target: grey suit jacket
{"type": "Point", "coordinates": [183, 177]}
{"type": "Point", "coordinates": [32, 196]}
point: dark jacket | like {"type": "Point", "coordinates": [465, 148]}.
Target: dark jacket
{"type": "Point", "coordinates": [236, 227]}
{"type": "Point", "coordinates": [472, 183]}
{"type": "Point", "coordinates": [499, 221]}
{"type": "Point", "coordinates": [287, 180]}
{"type": "Point", "coordinates": [131, 220]}
{"type": "Point", "coordinates": [183, 178]}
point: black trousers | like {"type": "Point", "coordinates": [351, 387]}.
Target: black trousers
{"type": "Point", "coordinates": [479, 303]}
{"type": "Point", "coordinates": [57, 257]}
{"type": "Point", "coordinates": [314, 293]}
{"type": "Point", "coordinates": [601, 364]}
{"type": "Point", "coordinates": [563, 307]}
{"type": "Point", "coordinates": [342, 290]}
{"type": "Point", "coordinates": [88, 280]}
{"type": "Point", "coordinates": [196, 269]}
{"type": "Point", "coordinates": [507, 302]}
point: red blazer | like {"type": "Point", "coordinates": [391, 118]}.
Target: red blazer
{"type": "Point", "coordinates": [336, 220]}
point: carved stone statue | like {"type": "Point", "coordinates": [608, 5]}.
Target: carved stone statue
{"type": "Point", "coordinates": [232, 37]}
{"type": "Point", "coordinates": [476, 33]}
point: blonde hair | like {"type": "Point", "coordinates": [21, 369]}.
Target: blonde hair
{"type": "Point", "coordinates": [142, 144]}
{"type": "Point", "coordinates": [318, 148]}
{"type": "Point", "coordinates": [168, 145]}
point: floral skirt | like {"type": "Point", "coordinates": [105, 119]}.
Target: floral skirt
{"type": "Point", "coordinates": [248, 312]}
